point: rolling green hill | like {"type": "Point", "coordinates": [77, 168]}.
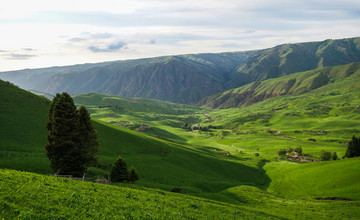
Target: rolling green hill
{"type": "Point", "coordinates": [161, 164]}
{"type": "Point", "coordinates": [294, 84]}
{"type": "Point", "coordinates": [231, 170]}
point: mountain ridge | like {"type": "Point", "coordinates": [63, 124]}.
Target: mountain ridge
{"type": "Point", "coordinates": [188, 78]}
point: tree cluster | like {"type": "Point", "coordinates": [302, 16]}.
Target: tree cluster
{"type": "Point", "coordinates": [282, 152]}
{"type": "Point", "coordinates": [72, 142]}
{"type": "Point", "coordinates": [120, 173]}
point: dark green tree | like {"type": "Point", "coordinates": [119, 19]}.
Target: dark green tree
{"type": "Point", "coordinates": [133, 175]}
{"type": "Point", "coordinates": [62, 137]}
{"type": "Point", "coordinates": [67, 146]}
{"type": "Point", "coordinates": [119, 171]}
{"type": "Point", "coordinates": [325, 155]}
{"type": "Point", "coordinates": [353, 149]}
{"type": "Point", "coordinates": [88, 138]}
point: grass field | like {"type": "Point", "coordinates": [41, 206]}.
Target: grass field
{"type": "Point", "coordinates": [63, 199]}
{"type": "Point", "coordinates": [230, 171]}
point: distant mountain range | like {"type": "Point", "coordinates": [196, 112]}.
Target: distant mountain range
{"type": "Point", "coordinates": [188, 78]}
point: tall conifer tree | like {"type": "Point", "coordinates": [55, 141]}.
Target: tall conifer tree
{"type": "Point", "coordinates": [68, 147]}
{"type": "Point", "coordinates": [88, 137]}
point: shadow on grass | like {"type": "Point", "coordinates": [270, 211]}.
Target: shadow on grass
{"type": "Point", "coordinates": [163, 134]}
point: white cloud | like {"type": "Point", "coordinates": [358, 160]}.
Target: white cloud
{"type": "Point", "coordinates": [66, 32]}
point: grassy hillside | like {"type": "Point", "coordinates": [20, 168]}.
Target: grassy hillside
{"type": "Point", "coordinates": [161, 164]}
{"type": "Point", "coordinates": [293, 84]}
{"type": "Point", "coordinates": [63, 198]}
{"type": "Point", "coordinates": [291, 58]}
{"type": "Point", "coordinates": [164, 164]}
{"type": "Point", "coordinates": [234, 163]}
{"type": "Point", "coordinates": [328, 179]}
{"type": "Point", "coordinates": [69, 199]}
{"type": "Point", "coordinates": [22, 132]}
{"type": "Point", "coordinates": [325, 118]}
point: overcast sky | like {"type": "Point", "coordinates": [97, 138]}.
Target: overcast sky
{"type": "Point", "coordinates": [41, 33]}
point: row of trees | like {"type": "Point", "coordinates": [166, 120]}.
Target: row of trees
{"type": "Point", "coordinates": [353, 150]}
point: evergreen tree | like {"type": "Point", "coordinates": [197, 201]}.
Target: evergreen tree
{"type": "Point", "coordinates": [353, 149]}
{"type": "Point", "coordinates": [88, 138]}
{"type": "Point", "coordinates": [133, 175]}
{"type": "Point", "coordinates": [119, 171]}
{"type": "Point", "coordinates": [68, 148]}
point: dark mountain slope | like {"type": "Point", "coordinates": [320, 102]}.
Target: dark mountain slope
{"type": "Point", "coordinates": [182, 79]}
{"type": "Point", "coordinates": [172, 80]}
{"type": "Point", "coordinates": [293, 84]}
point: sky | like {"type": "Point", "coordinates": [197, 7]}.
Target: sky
{"type": "Point", "coordinates": [43, 33]}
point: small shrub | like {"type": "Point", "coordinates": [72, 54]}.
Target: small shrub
{"type": "Point", "coordinates": [257, 154]}
{"type": "Point", "coordinates": [176, 190]}
{"type": "Point", "coordinates": [334, 156]}
{"type": "Point", "coordinates": [298, 150]}
{"type": "Point", "coordinates": [325, 155]}
{"type": "Point", "coordinates": [289, 150]}
{"type": "Point", "coordinates": [282, 152]}
{"type": "Point", "coordinates": [133, 175]}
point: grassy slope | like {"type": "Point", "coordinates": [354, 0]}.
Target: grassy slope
{"type": "Point", "coordinates": [62, 198]}
{"type": "Point", "coordinates": [164, 164]}
{"type": "Point", "coordinates": [293, 84]}
{"type": "Point", "coordinates": [22, 132]}
{"type": "Point", "coordinates": [69, 199]}
{"type": "Point", "coordinates": [329, 114]}
{"type": "Point", "coordinates": [161, 163]}
{"type": "Point", "coordinates": [312, 180]}
{"type": "Point", "coordinates": [330, 108]}
{"type": "Point", "coordinates": [192, 160]}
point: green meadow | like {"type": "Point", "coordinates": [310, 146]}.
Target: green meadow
{"type": "Point", "coordinates": [228, 169]}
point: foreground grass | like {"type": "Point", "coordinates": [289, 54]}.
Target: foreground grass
{"type": "Point", "coordinates": [32, 196]}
